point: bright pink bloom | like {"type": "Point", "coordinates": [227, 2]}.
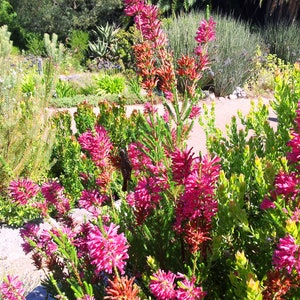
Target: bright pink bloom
{"type": "Point", "coordinates": [166, 116]}
{"type": "Point", "coordinates": [147, 195]}
{"type": "Point", "coordinates": [198, 204]}
{"type": "Point", "coordinates": [203, 59]}
{"type": "Point", "coordinates": [162, 285]}
{"type": "Point", "coordinates": [107, 249]}
{"type": "Point", "coordinates": [206, 31]}
{"type": "Point", "coordinates": [182, 164]}
{"type": "Point", "coordinates": [188, 291]}
{"type": "Point", "coordinates": [150, 109]}
{"type": "Point", "coordinates": [138, 157]}
{"type": "Point", "coordinates": [294, 155]}
{"type": "Point", "coordinates": [22, 190]}
{"type": "Point", "coordinates": [29, 232]}
{"type": "Point", "coordinates": [266, 204]}
{"type": "Point", "coordinates": [287, 184]}
{"type": "Point", "coordinates": [169, 95]}
{"type": "Point", "coordinates": [87, 297]}
{"type": "Point", "coordinates": [12, 289]}
{"type": "Point", "coordinates": [296, 215]}
{"type": "Point", "coordinates": [97, 143]}
{"type": "Point", "coordinates": [195, 112]}
{"type": "Point", "coordinates": [53, 192]}
{"type": "Point", "coordinates": [133, 7]}
{"type": "Point", "coordinates": [92, 200]}
{"type": "Point", "coordinates": [286, 256]}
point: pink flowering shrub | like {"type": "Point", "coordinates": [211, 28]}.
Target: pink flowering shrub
{"type": "Point", "coordinates": [11, 288]}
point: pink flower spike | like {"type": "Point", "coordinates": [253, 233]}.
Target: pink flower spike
{"type": "Point", "coordinates": [206, 31]}
{"type": "Point", "coordinates": [97, 143]}
{"type": "Point", "coordinates": [162, 285]}
{"type": "Point", "coordinates": [287, 254]}
{"type": "Point", "coordinates": [107, 249]}
{"type": "Point", "coordinates": [266, 204]}
{"type": "Point", "coordinates": [53, 192]}
{"type": "Point", "coordinates": [12, 289]}
{"type": "Point", "coordinates": [150, 108]}
{"type": "Point", "coordinates": [188, 291]}
{"type": "Point", "coordinates": [22, 190]}
{"type": "Point", "coordinates": [195, 112]}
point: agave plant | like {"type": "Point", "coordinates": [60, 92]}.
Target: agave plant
{"type": "Point", "coordinates": [105, 45]}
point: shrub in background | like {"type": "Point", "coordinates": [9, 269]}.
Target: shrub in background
{"type": "Point", "coordinates": [79, 44]}
{"type": "Point", "coordinates": [264, 71]}
{"type": "Point", "coordinates": [283, 39]}
{"type": "Point", "coordinates": [110, 84]}
{"type": "Point", "coordinates": [35, 44]}
{"type": "Point", "coordinates": [231, 54]}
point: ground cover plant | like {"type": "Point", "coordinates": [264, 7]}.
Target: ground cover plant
{"type": "Point", "coordinates": [161, 222]}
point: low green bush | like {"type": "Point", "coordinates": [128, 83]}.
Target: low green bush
{"type": "Point", "coordinates": [110, 84]}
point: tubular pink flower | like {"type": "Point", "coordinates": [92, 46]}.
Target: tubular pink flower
{"type": "Point", "coordinates": [287, 255]}
{"type": "Point", "coordinates": [198, 205]}
{"type": "Point", "coordinates": [294, 155]}
{"type": "Point", "coordinates": [138, 158]}
{"type": "Point", "coordinates": [182, 164]}
{"type": "Point", "coordinates": [206, 31]}
{"type": "Point", "coordinates": [287, 184]}
{"type": "Point", "coordinates": [162, 285]}
{"type": "Point", "coordinates": [29, 232]}
{"type": "Point", "coordinates": [195, 112]}
{"type": "Point", "coordinates": [53, 192]}
{"type": "Point", "coordinates": [107, 249]}
{"type": "Point", "coordinates": [91, 199]}
{"type": "Point", "coordinates": [97, 144]}
{"type": "Point", "coordinates": [188, 291]}
{"type": "Point", "coordinates": [203, 60]}
{"type": "Point", "coordinates": [12, 289]}
{"type": "Point", "coordinates": [150, 109]}
{"type": "Point", "coordinates": [267, 204]}
{"type": "Point", "coordinates": [22, 190]}
{"type": "Point", "coordinates": [133, 7]}
{"type": "Point", "coordinates": [146, 196]}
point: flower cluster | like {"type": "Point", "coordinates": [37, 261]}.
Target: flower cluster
{"type": "Point", "coordinates": [287, 255]}
{"type": "Point", "coordinates": [154, 62]}
{"type": "Point", "coordinates": [97, 144]}
{"type": "Point", "coordinates": [92, 200]}
{"type": "Point", "coordinates": [53, 193]}
{"type": "Point", "coordinates": [163, 287]}
{"type": "Point", "coordinates": [152, 182]}
{"type": "Point", "coordinates": [197, 204]}
{"type": "Point", "coordinates": [12, 289]}
{"type": "Point", "coordinates": [107, 249]}
{"type": "Point", "coordinates": [287, 184]}
{"type": "Point", "coordinates": [22, 190]}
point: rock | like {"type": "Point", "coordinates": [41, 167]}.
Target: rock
{"type": "Point", "coordinates": [232, 97]}
{"type": "Point", "coordinates": [39, 293]}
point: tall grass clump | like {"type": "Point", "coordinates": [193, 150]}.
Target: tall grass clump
{"type": "Point", "coordinates": [25, 130]}
{"type": "Point", "coordinates": [283, 39]}
{"type": "Point", "coordinates": [230, 54]}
